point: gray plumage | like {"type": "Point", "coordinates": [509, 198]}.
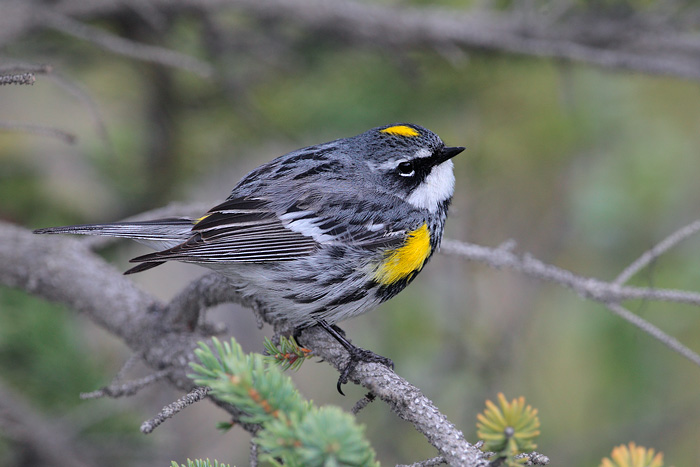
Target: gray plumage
{"type": "Point", "coordinates": [307, 231]}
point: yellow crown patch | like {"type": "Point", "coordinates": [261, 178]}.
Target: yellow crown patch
{"type": "Point", "coordinates": [406, 260]}
{"type": "Point", "coordinates": [401, 130]}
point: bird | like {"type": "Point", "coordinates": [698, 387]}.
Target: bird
{"type": "Point", "coordinates": [320, 234]}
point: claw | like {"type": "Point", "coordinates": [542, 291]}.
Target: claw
{"type": "Point", "coordinates": [357, 354]}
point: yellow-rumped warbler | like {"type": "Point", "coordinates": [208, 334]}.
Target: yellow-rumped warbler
{"type": "Point", "coordinates": [320, 234]}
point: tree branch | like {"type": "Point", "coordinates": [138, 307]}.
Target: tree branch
{"type": "Point", "coordinates": [609, 294]}
{"type": "Point", "coordinates": [62, 135]}
{"type": "Point", "coordinates": [128, 388]}
{"type": "Point", "coordinates": [66, 271]}
{"type": "Point", "coordinates": [63, 270]}
{"type": "Point", "coordinates": [669, 341]}
{"type": "Point", "coordinates": [123, 46]}
{"type": "Point", "coordinates": [588, 287]}
{"type": "Point", "coordinates": [638, 42]}
{"type": "Point", "coordinates": [192, 397]}
{"type": "Point", "coordinates": [659, 249]}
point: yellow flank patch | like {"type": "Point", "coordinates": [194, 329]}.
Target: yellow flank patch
{"type": "Point", "coordinates": [400, 130]}
{"type": "Point", "coordinates": [407, 259]}
{"type": "Point", "coordinates": [197, 221]}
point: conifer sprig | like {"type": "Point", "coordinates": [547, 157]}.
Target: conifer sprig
{"type": "Point", "coordinates": [288, 354]}
{"type": "Point", "coordinates": [293, 431]}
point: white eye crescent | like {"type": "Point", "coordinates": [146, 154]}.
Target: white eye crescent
{"type": "Point", "coordinates": [405, 169]}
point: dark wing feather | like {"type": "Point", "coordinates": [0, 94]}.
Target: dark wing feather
{"type": "Point", "coordinates": [238, 230]}
{"type": "Point", "coordinates": [247, 230]}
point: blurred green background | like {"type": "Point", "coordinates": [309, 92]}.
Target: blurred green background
{"type": "Point", "coordinates": [584, 168]}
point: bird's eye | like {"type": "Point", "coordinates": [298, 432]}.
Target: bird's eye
{"type": "Point", "coordinates": [405, 169]}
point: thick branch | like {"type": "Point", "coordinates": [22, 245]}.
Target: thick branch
{"type": "Point", "coordinates": [62, 270]}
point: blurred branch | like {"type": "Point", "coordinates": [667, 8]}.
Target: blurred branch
{"type": "Point", "coordinates": [659, 249]}
{"type": "Point", "coordinates": [634, 42]}
{"type": "Point", "coordinates": [669, 341]}
{"type": "Point", "coordinates": [42, 69]}
{"type": "Point", "coordinates": [87, 101]}
{"type": "Point", "coordinates": [124, 389]}
{"type": "Point", "coordinates": [609, 294]}
{"type": "Point", "coordinates": [66, 137]}
{"type": "Point", "coordinates": [123, 46]}
{"type": "Point", "coordinates": [18, 17]}
{"type": "Point", "coordinates": [27, 71]}
{"type": "Point", "coordinates": [47, 439]}
{"type": "Point", "coordinates": [649, 42]}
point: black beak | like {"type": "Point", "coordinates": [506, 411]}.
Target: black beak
{"type": "Point", "coordinates": [448, 153]}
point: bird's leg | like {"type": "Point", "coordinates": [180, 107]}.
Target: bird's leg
{"type": "Point", "coordinates": [357, 354]}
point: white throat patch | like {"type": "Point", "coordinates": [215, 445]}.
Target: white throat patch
{"type": "Point", "coordinates": [437, 187]}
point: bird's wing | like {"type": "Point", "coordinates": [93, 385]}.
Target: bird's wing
{"type": "Point", "coordinates": [247, 230]}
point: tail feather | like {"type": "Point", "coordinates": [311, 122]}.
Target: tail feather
{"type": "Point", "coordinates": [157, 234]}
{"type": "Point", "coordinates": [143, 267]}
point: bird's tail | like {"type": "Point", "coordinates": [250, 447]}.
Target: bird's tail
{"type": "Point", "coordinates": [159, 234]}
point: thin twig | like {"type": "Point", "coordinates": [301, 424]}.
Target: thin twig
{"type": "Point", "coordinates": [609, 294]}
{"type": "Point", "coordinates": [22, 78]}
{"type": "Point", "coordinates": [123, 46]}
{"type": "Point", "coordinates": [660, 248]}
{"type": "Point", "coordinates": [362, 403]}
{"type": "Point", "coordinates": [22, 73]}
{"type": "Point", "coordinates": [62, 135]}
{"type": "Point", "coordinates": [128, 364]}
{"type": "Point", "coordinates": [534, 458]}
{"type": "Point", "coordinates": [588, 287]}
{"type": "Point", "coordinates": [86, 100]}
{"type": "Point", "coordinates": [669, 341]}
{"type": "Point", "coordinates": [196, 395]}
{"type": "Point", "coordinates": [129, 388]}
